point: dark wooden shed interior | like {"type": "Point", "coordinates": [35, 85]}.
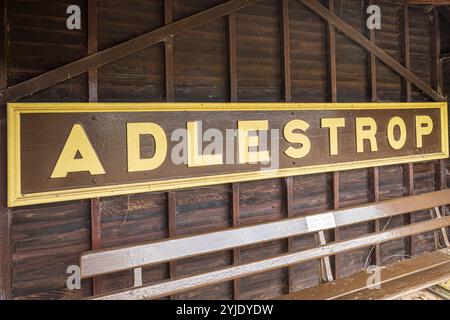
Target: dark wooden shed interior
{"type": "Point", "coordinates": [261, 51]}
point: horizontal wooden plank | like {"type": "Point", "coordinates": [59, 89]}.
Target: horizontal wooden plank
{"type": "Point", "coordinates": [358, 282]}
{"type": "Point", "coordinates": [405, 285]}
{"type": "Point", "coordinates": [113, 260]}
{"type": "Point", "coordinates": [226, 274]}
{"type": "Point", "coordinates": [433, 2]}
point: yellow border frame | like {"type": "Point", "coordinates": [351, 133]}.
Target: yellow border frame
{"type": "Point", "coordinates": [16, 198]}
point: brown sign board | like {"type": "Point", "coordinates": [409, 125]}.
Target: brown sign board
{"type": "Point", "coordinates": [59, 152]}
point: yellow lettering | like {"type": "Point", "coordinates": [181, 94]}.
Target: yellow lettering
{"type": "Point", "coordinates": [293, 137]}
{"type": "Point", "coordinates": [134, 133]}
{"type": "Point", "coordinates": [393, 123]}
{"type": "Point", "coordinates": [424, 127]}
{"type": "Point", "coordinates": [77, 144]}
{"type": "Point", "coordinates": [195, 156]}
{"type": "Point", "coordinates": [246, 142]}
{"type": "Point", "coordinates": [366, 134]}
{"type": "Point", "coordinates": [333, 124]}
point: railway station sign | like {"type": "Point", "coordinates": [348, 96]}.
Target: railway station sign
{"type": "Point", "coordinates": [60, 152]}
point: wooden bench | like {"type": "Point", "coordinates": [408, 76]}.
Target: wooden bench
{"type": "Point", "coordinates": [405, 274]}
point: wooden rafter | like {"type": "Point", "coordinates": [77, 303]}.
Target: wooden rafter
{"type": "Point", "coordinates": [114, 53]}
{"type": "Point", "coordinates": [360, 39]}
{"type": "Point", "coordinates": [445, 12]}
{"type": "Point", "coordinates": [429, 2]}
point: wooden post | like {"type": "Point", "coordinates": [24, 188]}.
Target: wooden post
{"type": "Point", "coordinates": [172, 222]}
{"type": "Point", "coordinates": [437, 84]}
{"type": "Point", "coordinates": [406, 49]}
{"type": "Point", "coordinates": [331, 57]}
{"type": "Point", "coordinates": [374, 172]}
{"type": "Point", "coordinates": [286, 47]}
{"type": "Point", "coordinates": [375, 184]}
{"type": "Point", "coordinates": [407, 97]}
{"type": "Point", "coordinates": [332, 88]}
{"type": "Point", "coordinates": [5, 213]}
{"type": "Point", "coordinates": [287, 94]}
{"type": "Point", "coordinates": [289, 181]}
{"type": "Point", "coordinates": [436, 64]}
{"type": "Point", "coordinates": [236, 222]}
{"type": "Point", "coordinates": [92, 48]}
{"type": "Point", "coordinates": [96, 239]}
{"type": "Point", "coordinates": [170, 97]}
{"type": "Point", "coordinates": [232, 57]}
{"type": "Point", "coordinates": [96, 224]}
{"type": "Point", "coordinates": [409, 182]}
{"type": "Point", "coordinates": [233, 87]}
{"type": "Point", "coordinates": [372, 66]}
{"type": "Point", "coordinates": [168, 49]}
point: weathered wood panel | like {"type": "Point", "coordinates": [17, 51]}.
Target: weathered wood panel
{"type": "Point", "coordinates": [45, 242]}
{"type": "Point", "coordinates": [259, 52]}
{"type": "Point", "coordinates": [420, 48]}
{"type": "Point", "coordinates": [140, 76]}
{"type": "Point", "coordinates": [389, 84]}
{"type": "Point", "coordinates": [46, 239]}
{"type": "Point", "coordinates": [351, 60]}
{"type": "Point", "coordinates": [5, 234]}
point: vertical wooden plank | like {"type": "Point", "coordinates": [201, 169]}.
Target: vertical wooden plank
{"type": "Point", "coordinates": [409, 183]}
{"type": "Point", "coordinates": [137, 277]}
{"type": "Point", "coordinates": [96, 224]}
{"type": "Point", "coordinates": [232, 57]}
{"type": "Point", "coordinates": [170, 97]}
{"type": "Point", "coordinates": [5, 255]}
{"type": "Point", "coordinates": [375, 186]}
{"type": "Point", "coordinates": [236, 222]}
{"type": "Point", "coordinates": [331, 57]}
{"type": "Point", "coordinates": [3, 85]}
{"type": "Point", "coordinates": [374, 172]}
{"type": "Point", "coordinates": [92, 48]}
{"type": "Point", "coordinates": [337, 233]}
{"type": "Point", "coordinates": [168, 49]}
{"type": "Point", "coordinates": [406, 50]}
{"type": "Point", "coordinates": [5, 214]}
{"type": "Point", "coordinates": [93, 97]}
{"type": "Point", "coordinates": [96, 240]}
{"type": "Point", "coordinates": [233, 87]}
{"type": "Point", "coordinates": [440, 175]}
{"type": "Point", "coordinates": [287, 95]}
{"type": "Point", "coordinates": [371, 66]}
{"type": "Point", "coordinates": [289, 182]}
{"type": "Point", "coordinates": [172, 214]}
{"type": "Point", "coordinates": [407, 97]}
{"type": "Point", "coordinates": [332, 88]}
{"type": "Point", "coordinates": [437, 84]}
{"type": "Point", "coordinates": [286, 48]}
{"type": "Point", "coordinates": [436, 63]}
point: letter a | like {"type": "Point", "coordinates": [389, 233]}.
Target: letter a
{"type": "Point", "coordinates": [73, 22]}
{"type": "Point", "coordinates": [77, 144]}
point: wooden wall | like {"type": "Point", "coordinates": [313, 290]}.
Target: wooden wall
{"type": "Point", "coordinates": [241, 57]}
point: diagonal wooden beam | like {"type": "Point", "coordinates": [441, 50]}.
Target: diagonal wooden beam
{"type": "Point", "coordinates": [114, 53]}
{"type": "Point", "coordinates": [360, 39]}
{"type": "Point", "coordinates": [445, 12]}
